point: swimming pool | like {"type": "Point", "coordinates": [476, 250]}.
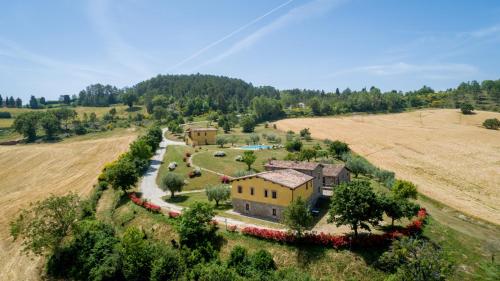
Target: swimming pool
{"type": "Point", "coordinates": [256, 147]}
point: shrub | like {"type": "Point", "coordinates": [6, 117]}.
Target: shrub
{"type": "Point", "coordinates": [492, 124]}
{"type": "Point", "coordinates": [293, 145]}
{"type": "Point", "coordinates": [187, 154]}
{"type": "Point", "coordinates": [466, 108]}
{"type": "Point", "coordinates": [225, 179]}
{"type": "Point", "coordinates": [5, 115]}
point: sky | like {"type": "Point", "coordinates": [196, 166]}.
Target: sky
{"type": "Point", "coordinates": [49, 48]}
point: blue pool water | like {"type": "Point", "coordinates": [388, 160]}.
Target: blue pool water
{"type": "Point", "coordinates": [256, 147]}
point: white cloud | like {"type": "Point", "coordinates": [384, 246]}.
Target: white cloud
{"type": "Point", "coordinates": [294, 15]}
{"type": "Point", "coordinates": [429, 71]}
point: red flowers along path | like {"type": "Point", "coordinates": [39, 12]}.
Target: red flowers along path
{"type": "Point", "coordinates": [312, 238]}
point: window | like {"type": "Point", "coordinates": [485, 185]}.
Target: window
{"type": "Point", "coordinates": [323, 180]}
{"type": "Point", "coordinates": [240, 189]}
{"type": "Point", "coordinates": [274, 194]}
{"type": "Point", "coordinates": [198, 134]}
{"type": "Point", "coordinates": [265, 193]}
{"type": "Point", "coordinates": [274, 212]}
{"type": "Point", "coordinates": [251, 190]}
{"type": "Point", "coordinates": [205, 134]}
{"type": "Point", "coordinates": [247, 207]}
{"type": "Point", "coordinates": [307, 185]}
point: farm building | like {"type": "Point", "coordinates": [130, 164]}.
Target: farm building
{"type": "Point", "coordinates": [267, 194]}
{"type": "Point", "coordinates": [312, 169]}
{"type": "Point", "coordinates": [200, 136]}
{"type": "Point", "coordinates": [335, 174]}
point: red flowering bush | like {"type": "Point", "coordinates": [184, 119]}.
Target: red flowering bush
{"type": "Point", "coordinates": [339, 241]}
{"type": "Point", "coordinates": [148, 205]}
{"type": "Point", "coordinates": [225, 179]}
{"type": "Point", "coordinates": [173, 214]}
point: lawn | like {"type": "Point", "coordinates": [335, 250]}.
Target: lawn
{"type": "Point", "coordinates": [175, 153]}
{"type": "Point", "coordinates": [228, 165]}
{"type": "Point", "coordinates": [187, 199]}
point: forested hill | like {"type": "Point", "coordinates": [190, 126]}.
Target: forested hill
{"type": "Point", "coordinates": [200, 93]}
{"type": "Point", "coordinates": [197, 94]}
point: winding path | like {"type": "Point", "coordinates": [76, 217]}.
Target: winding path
{"type": "Point", "coordinates": [154, 194]}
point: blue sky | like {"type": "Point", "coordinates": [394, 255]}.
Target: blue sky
{"type": "Point", "coordinates": [48, 48]}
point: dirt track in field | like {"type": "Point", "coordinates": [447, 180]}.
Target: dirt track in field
{"type": "Point", "coordinates": [450, 156]}
{"type": "Point", "coordinates": [29, 173]}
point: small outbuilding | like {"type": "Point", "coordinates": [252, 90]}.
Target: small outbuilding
{"type": "Point", "coordinates": [200, 136]}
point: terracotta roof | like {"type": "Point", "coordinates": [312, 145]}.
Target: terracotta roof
{"type": "Point", "coordinates": [332, 170]}
{"type": "Point", "coordinates": [287, 177]}
{"type": "Point", "coordinates": [299, 165]}
{"type": "Point", "coordinates": [201, 129]}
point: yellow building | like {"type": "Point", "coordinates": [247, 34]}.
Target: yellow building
{"type": "Point", "coordinates": [200, 136]}
{"type": "Point", "coordinates": [267, 194]}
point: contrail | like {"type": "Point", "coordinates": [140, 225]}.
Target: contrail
{"type": "Point", "coordinates": [201, 51]}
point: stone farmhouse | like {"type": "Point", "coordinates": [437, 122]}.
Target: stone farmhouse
{"type": "Point", "coordinates": [268, 193]}
{"type": "Point", "coordinates": [200, 136]}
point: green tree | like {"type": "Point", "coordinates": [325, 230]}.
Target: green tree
{"type": "Point", "coordinates": [337, 148]}
{"type": "Point", "coordinates": [254, 138]}
{"type": "Point", "coordinates": [66, 115]}
{"type": "Point", "coordinates": [44, 226]}
{"type": "Point", "coordinates": [140, 149]}
{"type": "Point", "coordinates": [398, 208]}
{"type": "Point", "coordinates": [226, 127]}
{"type": "Point", "coordinates": [195, 227]}
{"type": "Point", "coordinates": [355, 204]}
{"type": "Point", "coordinates": [26, 124]}
{"type": "Point", "coordinates": [113, 113]}
{"type": "Point", "coordinates": [129, 98]}
{"type": "Point", "coordinates": [239, 260]}
{"type": "Point", "coordinates": [404, 189]}
{"type": "Point", "coordinates": [357, 165]}
{"type": "Point", "coordinates": [249, 158]}
{"type": "Point", "coordinates": [166, 263]}
{"type": "Point", "coordinates": [307, 154]}
{"type": "Point", "coordinates": [172, 182]}
{"type": "Point", "coordinates": [220, 141]}
{"type": "Point", "coordinates": [262, 261]}
{"type": "Point", "coordinates": [297, 216]}
{"type": "Point", "coordinates": [415, 259]}
{"type": "Point", "coordinates": [218, 193]}
{"type": "Point", "coordinates": [315, 107]}
{"type": "Point", "coordinates": [232, 139]}
{"type": "Point", "coordinates": [33, 102]}
{"type": "Point", "coordinates": [467, 108]}
{"type": "Point", "coordinates": [122, 174]}
{"type": "Point", "coordinates": [247, 124]}
{"type": "Point", "coordinates": [293, 145]}
{"type": "Point", "coordinates": [50, 124]}
{"type": "Point", "coordinates": [134, 250]}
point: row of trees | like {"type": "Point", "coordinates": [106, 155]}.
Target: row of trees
{"type": "Point", "coordinates": [10, 102]}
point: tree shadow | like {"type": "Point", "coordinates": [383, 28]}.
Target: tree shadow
{"type": "Point", "coordinates": [306, 254]}
{"type": "Point", "coordinates": [133, 109]}
{"type": "Point", "coordinates": [177, 198]}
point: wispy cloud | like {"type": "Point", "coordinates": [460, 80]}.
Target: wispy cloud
{"type": "Point", "coordinates": [233, 33]}
{"type": "Point", "coordinates": [429, 71]}
{"type": "Point", "coordinates": [13, 50]}
{"type": "Point", "coordinates": [118, 49]}
{"type": "Point", "coordinates": [297, 14]}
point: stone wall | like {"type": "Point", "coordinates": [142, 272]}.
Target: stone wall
{"type": "Point", "coordinates": [257, 209]}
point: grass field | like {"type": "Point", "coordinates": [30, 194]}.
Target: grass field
{"type": "Point", "coordinates": [175, 153]}
{"type": "Point", "coordinates": [448, 155]}
{"type": "Point", "coordinates": [32, 172]}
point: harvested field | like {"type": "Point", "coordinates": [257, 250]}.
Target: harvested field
{"type": "Point", "coordinates": [32, 172]}
{"type": "Point", "coordinates": [450, 156]}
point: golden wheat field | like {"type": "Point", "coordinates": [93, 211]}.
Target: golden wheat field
{"type": "Point", "coordinates": [32, 172]}
{"type": "Point", "coordinates": [450, 156]}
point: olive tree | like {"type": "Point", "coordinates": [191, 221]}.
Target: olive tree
{"type": "Point", "coordinates": [249, 158]}
{"type": "Point", "coordinates": [172, 182]}
{"type": "Point", "coordinates": [218, 193]}
{"type": "Point", "coordinates": [297, 216]}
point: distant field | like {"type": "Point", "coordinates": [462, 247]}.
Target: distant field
{"type": "Point", "coordinates": [32, 172]}
{"type": "Point", "coordinates": [448, 155]}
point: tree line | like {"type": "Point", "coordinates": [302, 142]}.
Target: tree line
{"type": "Point", "coordinates": [10, 102]}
